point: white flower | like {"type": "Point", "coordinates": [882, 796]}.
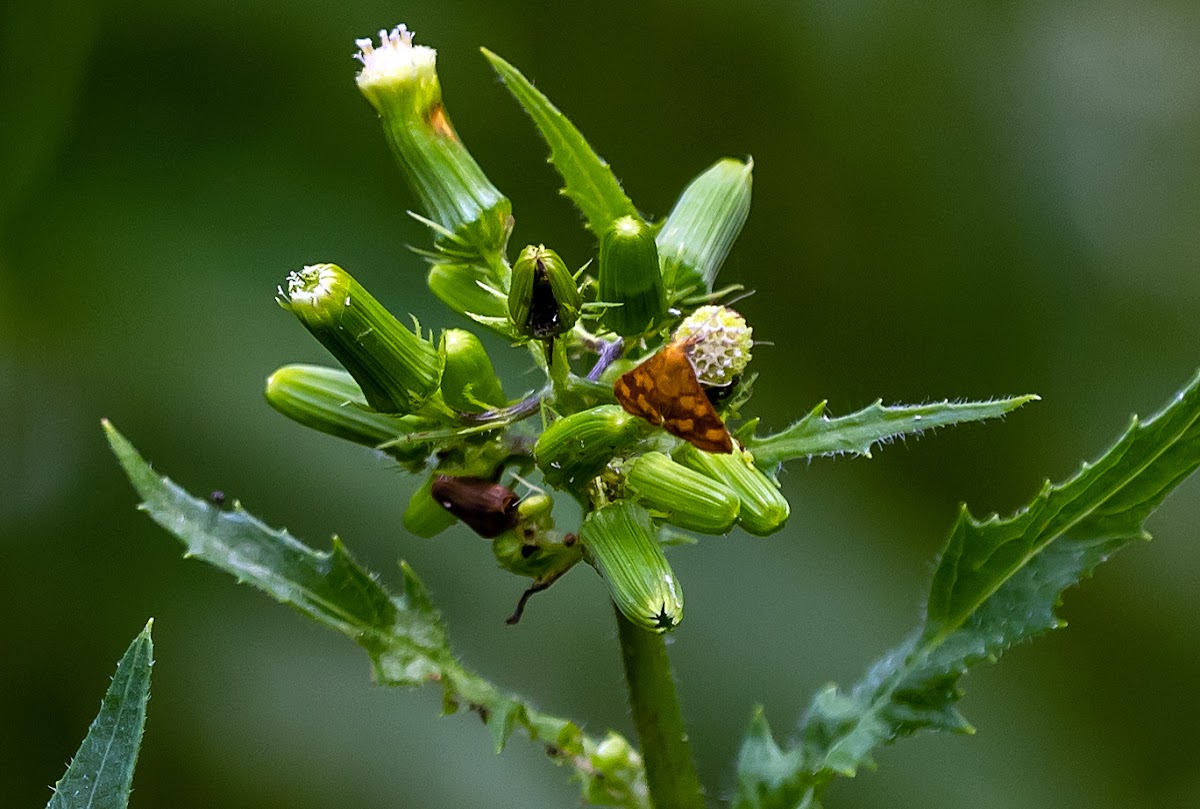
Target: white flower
{"type": "Point", "coordinates": [395, 59]}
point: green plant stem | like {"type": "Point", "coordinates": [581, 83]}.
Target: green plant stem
{"type": "Point", "coordinates": [560, 369]}
{"type": "Point", "coordinates": [670, 771]}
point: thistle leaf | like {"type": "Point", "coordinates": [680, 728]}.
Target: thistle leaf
{"type": "Point", "coordinates": [101, 774]}
{"type": "Point", "coordinates": [859, 432]}
{"type": "Point", "coordinates": [589, 182]}
{"type": "Point", "coordinates": [403, 634]}
{"type": "Point", "coordinates": [997, 583]}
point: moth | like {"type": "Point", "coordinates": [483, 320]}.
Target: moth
{"type": "Point", "coordinates": [664, 391]}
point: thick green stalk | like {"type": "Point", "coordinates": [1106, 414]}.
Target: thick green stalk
{"type": "Point", "coordinates": [670, 771]}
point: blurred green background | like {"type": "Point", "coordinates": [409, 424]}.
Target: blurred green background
{"type": "Point", "coordinates": [965, 199]}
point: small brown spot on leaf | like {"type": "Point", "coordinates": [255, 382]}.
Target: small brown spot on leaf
{"type": "Point", "coordinates": [439, 122]}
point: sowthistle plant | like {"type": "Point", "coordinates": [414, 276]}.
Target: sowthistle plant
{"type": "Point", "coordinates": [643, 420]}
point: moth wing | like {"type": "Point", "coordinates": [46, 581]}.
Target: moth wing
{"type": "Point", "coordinates": [687, 412]}
{"type": "Point", "coordinates": [637, 390]}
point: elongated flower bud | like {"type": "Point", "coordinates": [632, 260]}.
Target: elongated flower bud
{"type": "Point", "coordinates": [400, 80]}
{"type": "Point", "coordinates": [425, 517]}
{"type": "Point", "coordinates": [469, 383]}
{"type": "Point", "coordinates": [620, 542]}
{"type": "Point", "coordinates": [576, 448]}
{"type": "Point", "coordinates": [543, 299]}
{"type": "Point", "coordinates": [396, 369]}
{"type": "Point", "coordinates": [708, 217]}
{"type": "Point", "coordinates": [329, 400]}
{"type": "Point", "coordinates": [684, 497]}
{"type": "Point", "coordinates": [764, 509]}
{"type": "Point", "coordinates": [489, 509]}
{"type": "Point", "coordinates": [630, 276]}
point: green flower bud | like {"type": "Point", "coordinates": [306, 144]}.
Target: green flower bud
{"type": "Point", "coordinates": [708, 217]}
{"type": "Point", "coordinates": [614, 761]}
{"type": "Point", "coordinates": [329, 400]}
{"type": "Point", "coordinates": [764, 509]}
{"type": "Point", "coordinates": [470, 290]}
{"type": "Point", "coordinates": [543, 299]}
{"type": "Point", "coordinates": [396, 369]}
{"type": "Point", "coordinates": [613, 753]}
{"type": "Point", "coordinates": [469, 382]}
{"type": "Point", "coordinates": [533, 548]}
{"type": "Point", "coordinates": [425, 517]}
{"type": "Point", "coordinates": [400, 80]}
{"type": "Point", "coordinates": [620, 542]}
{"type": "Point", "coordinates": [630, 276]}
{"type": "Point", "coordinates": [684, 497]}
{"type": "Point", "coordinates": [719, 344]}
{"type": "Point", "coordinates": [576, 448]}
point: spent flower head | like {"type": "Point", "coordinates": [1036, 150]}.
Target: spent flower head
{"type": "Point", "coordinates": [720, 343]}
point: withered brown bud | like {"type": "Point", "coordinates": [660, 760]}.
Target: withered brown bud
{"type": "Point", "coordinates": [489, 509]}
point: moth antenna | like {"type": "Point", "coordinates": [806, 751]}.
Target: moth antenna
{"type": "Point", "coordinates": [531, 487]}
{"type": "Point", "coordinates": [746, 293]}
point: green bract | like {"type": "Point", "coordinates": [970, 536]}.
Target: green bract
{"type": "Point", "coordinates": [397, 370]}
{"type": "Point", "coordinates": [543, 299]}
{"type": "Point", "coordinates": [621, 543]}
{"type": "Point", "coordinates": [630, 277]}
{"type": "Point", "coordinates": [680, 495]}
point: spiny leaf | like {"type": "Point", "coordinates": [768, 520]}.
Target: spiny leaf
{"type": "Point", "coordinates": [764, 770]}
{"type": "Point", "coordinates": [101, 774]}
{"type": "Point", "coordinates": [403, 634]}
{"type": "Point", "coordinates": [856, 433]}
{"type": "Point", "coordinates": [590, 183]}
{"type": "Point", "coordinates": [997, 583]}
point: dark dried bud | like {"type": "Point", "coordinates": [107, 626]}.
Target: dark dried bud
{"type": "Point", "coordinates": [489, 509]}
{"type": "Point", "coordinates": [543, 299]}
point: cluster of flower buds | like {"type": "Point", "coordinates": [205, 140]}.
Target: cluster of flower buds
{"type": "Point", "coordinates": [662, 455]}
